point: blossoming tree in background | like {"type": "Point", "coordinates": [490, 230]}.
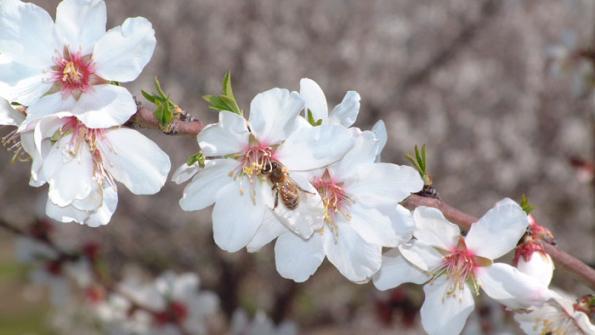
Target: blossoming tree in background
{"type": "Point", "coordinates": [289, 172]}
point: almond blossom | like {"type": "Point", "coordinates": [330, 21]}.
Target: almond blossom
{"type": "Point", "coordinates": [344, 113]}
{"type": "Point", "coordinates": [454, 267]}
{"type": "Point", "coordinates": [240, 154]}
{"type": "Point", "coordinates": [72, 60]}
{"type": "Point", "coordinates": [81, 166]}
{"type": "Point", "coordinates": [530, 256]}
{"type": "Point", "coordinates": [361, 216]}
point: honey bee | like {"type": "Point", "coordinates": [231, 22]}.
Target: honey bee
{"type": "Point", "coordinates": [283, 185]}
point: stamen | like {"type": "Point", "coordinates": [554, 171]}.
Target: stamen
{"type": "Point", "coordinates": [459, 266]}
{"type": "Point", "coordinates": [12, 143]}
{"type": "Point", "coordinates": [334, 198]}
{"type": "Point", "coordinates": [73, 73]}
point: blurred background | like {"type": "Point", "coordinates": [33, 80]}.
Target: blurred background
{"type": "Point", "coordinates": [470, 79]}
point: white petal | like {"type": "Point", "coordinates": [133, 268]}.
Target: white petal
{"type": "Point", "coordinates": [363, 152]}
{"type": "Point", "coordinates": [314, 99]}
{"type": "Point", "coordinates": [102, 215]}
{"type": "Point", "coordinates": [124, 51]}
{"type": "Point", "coordinates": [355, 258]}
{"type": "Point", "coordinates": [402, 221]}
{"type": "Point", "coordinates": [233, 202]}
{"type": "Point", "coordinates": [202, 191]}
{"type": "Point", "coordinates": [26, 34]}
{"type": "Point", "coordinates": [511, 287]}
{"type": "Point", "coordinates": [396, 270]}
{"type": "Point", "coordinates": [297, 259]}
{"type": "Point", "coordinates": [444, 313]}
{"type": "Point", "coordinates": [373, 226]}
{"type": "Point", "coordinates": [65, 214]}
{"type": "Point", "coordinates": [311, 148]}
{"type": "Point", "coordinates": [92, 201]}
{"type": "Point", "coordinates": [80, 23]}
{"type": "Point", "coordinates": [70, 177]}
{"type": "Point", "coordinates": [346, 112]}
{"type": "Point", "coordinates": [48, 105]}
{"type": "Point", "coordinates": [384, 183]}
{"type": "Point", "coordinates": [228, 136]}
{"type": "Point", "coordinates": [105, 106]}
{"type": "Point", "coordinates": [379, 129]}
{"type": "Point", "coordinates": [307, 217]}
{"type": "Point", "coordinates": [273, 114]}
{"type": "Point", "coordinates": [184, 173]}
{"type": "Point", "coordinates": [270, 229]}
{"type": "Point", "coordinates": [540, 266]}
{"type": "Point", "coordinates": [23, 84]}
{"type": "Point", "coordinates": [498, 231]}
{"type": "Point", "coordinates": [9, 116]}
{"type": "Point", "coordinates": [134, 160]}
{"type": "Point", "coordinates": [423, 256]}
{"type": "Point", "coordinates": [37, 157]}
{"type": "Point", "coordinates": [432, 228]}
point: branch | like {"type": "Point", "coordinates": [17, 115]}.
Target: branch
{"type": "Point", "coordinates": [465, 221]}
{"type": "Point", "coordinates": [183, 124]}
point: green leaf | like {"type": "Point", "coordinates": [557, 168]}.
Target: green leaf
{"type": "Point", "coordinates": [149, 96]}
{"type": "Point", "coordinates": [198, 157]}
{"type": "Point", "coordinates": [525, 205]}
{"type": "Point", "coordinates": [226, 101]}
{"type": "Point", "coordinates": [311, 119]}
{"type": "Point", "coordinates": [419, 161]}
{"type": "Point", "coordinates": [165, 108]}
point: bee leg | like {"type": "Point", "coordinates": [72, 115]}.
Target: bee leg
{"type": "Point", "coordinates": [301, 189]}
{"type": "Point", "coordinates": [276, 200]}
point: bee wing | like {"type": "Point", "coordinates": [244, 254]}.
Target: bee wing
{"type": "Point", "coordinates": [308, 216]}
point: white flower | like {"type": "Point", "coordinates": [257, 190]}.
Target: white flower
{"type": "Point", "coordinates": [530, 256]}
{"type": "Point", "coordinates": [175, 301]}
{"type": "Point", "coordinates": [557, 316]}
{"type": "Point", "coordinates": [360, 198]}
{"type": "Point", "coordinates": [81, 166]}
{"type": "Point", "coordinates": [243, 153]}
{"type": "Point", "coordinates": [260, 325]}
{"type": "Point", "coordinates": [343, 114]}
{"type": "Point", "coordinates": [73, 60]}
{"type": "Point", "coordinates": [455, 267]}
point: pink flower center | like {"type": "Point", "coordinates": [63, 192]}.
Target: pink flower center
{"type": "Point", "coordinates": [73, 72]}
{"type": "Point", "coordinates": [334, 198]}
{"type": "Point", "coordinates": [459, 265]}
{"type": "Point", "coordinates": [256, 158]}
{"type": "Point", "coordinates": [175, 312]}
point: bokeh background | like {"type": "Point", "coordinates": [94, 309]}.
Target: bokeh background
{"type": "Point", "coordinates": [468, 78]}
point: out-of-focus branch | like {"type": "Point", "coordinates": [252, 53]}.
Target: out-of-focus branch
{"type": "Point", "coordinates": [465, 221]}
{"type": "Point", "coordinates": [183, 124]}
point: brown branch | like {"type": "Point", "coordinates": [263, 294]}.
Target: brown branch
{"type": "Point", "coordinates": [465, 221]}
{"type": "Point", "coordinates": [184, 123]}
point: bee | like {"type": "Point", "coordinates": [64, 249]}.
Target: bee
{"type": "Point", "coordinates": [283, 186]}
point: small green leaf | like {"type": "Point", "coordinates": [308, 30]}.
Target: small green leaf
{"type": "Point", "coordinates": [148, 96]}
{"type": "Point", "coordinates": [165, 108]}
{"type": "Point", "coordinates": [311, 119]}
{"type": "Point", "coordinates": [419, 161]}
{"type": "Point", "coordinates": [198, 157]}
{"type": "Point", "coordinates": [525, 205]}
{"type": "Point", "coordinates": [226, 101]}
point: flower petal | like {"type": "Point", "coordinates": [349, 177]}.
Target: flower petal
{"type": "Point", "coordinates": [540, 266]}
{"type": "Point", "coordinates": [423, 256]}
{"type": "Point", "coordinates": [270, 229]}
{"type": "Point", "coordinates": [202, 191]}
{"type": "Point", "coordinates": [346, 112]}
{"type": "Point", "coordinates": [9, 116]}
{"type": "Point", "coordinates": [433, 229]}
{"type": "Point", "coordinates": [314, 99]}
{"type": "Point", "coordinates": [297, 259]}
{"type": "Point", "coordinates": [70, 176]}
{"type": "Point", "coordinates": [102, 215]}
{"type": "Point", "coordinates": [311, 148]}
{"type": "Point", "coordinates": [48, 105]}
{"type": "Point", "coordinates": [184, 173]}
{"type": "Point", "coordinates": [363, 152]}
{"type": "Point", "coordinates": [384, 184]}
{"type": "Point", "coordinates": [124, 51]}
{"type": "Point", "coordinates": [401, 220]}
{"type": "Point", "coordinates": [228, 136]}
{"type": "Point", "coordinates": [234, 201]}
{"type": "Point", "coordinates": [65, 214]}
{"type": "Point", "coordinates": [355, 258]}
{"type": "Point", "coordinates": [307, 217]}
{"type": "Point", "coordinates": [379, 129]}
{"type": "Point", "coordinates": [23, 84]}
{"type": "Point", "coordinates": [134, 160]}
{"type": "Point", "coordinates": [498, 231]}
{"type": "Point", "coordinates": [80, 23]}
{"type": "Point", "coordinates": [37, 157]}
{"type": "Point", "coordinates": [443, 312]}
{"type": "Point", "coordinates": [373, 226]}
{"type": "Point", "coordinates": [511, 287]}
{"type": "Point", "coordinates": [105, 106]}
{"type": "Point", "coordinates": [396, 270]}
{"type": "Point", "coordinates": [273, 114]}
{"type": "Point", "coordinates": [27, 34]}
